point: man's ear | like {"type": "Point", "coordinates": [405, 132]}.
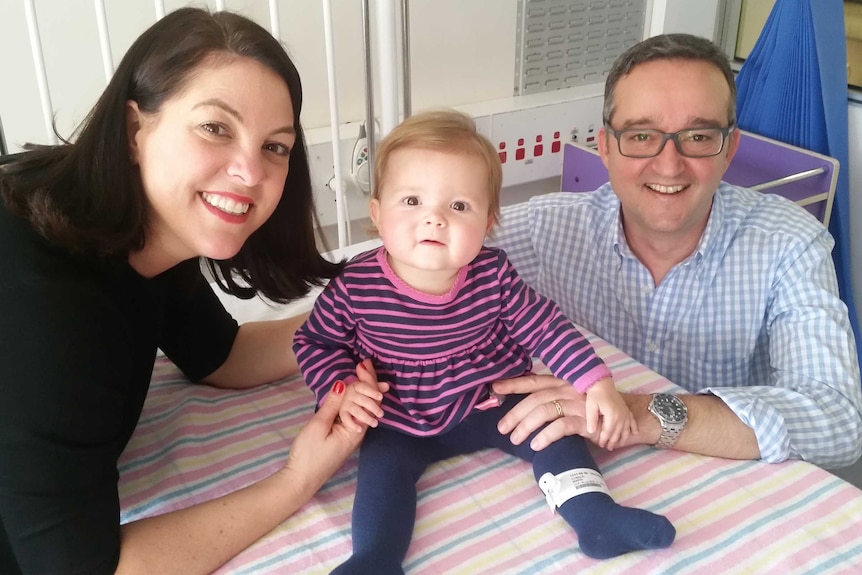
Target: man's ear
{"type": "Point", "coordinates": [133, 126]}
{"type": "Point", "coordinates": [602, 145]}
{"type": "Point", "coordinates": [733, 144]}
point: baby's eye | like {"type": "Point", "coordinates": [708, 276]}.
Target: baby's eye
{"type": "Point", "coordinates": [460, 206]}
{"type": "Point", "coordinates": [411, 201]}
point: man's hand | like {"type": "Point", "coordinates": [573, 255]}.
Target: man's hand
{"type": "Point", "coordinates": [538, 409]}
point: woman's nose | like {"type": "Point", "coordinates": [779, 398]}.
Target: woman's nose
{"type": "Point", "coordinates": [247, 166]}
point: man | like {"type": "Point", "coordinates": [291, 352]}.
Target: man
{"type": "Point", "coordinates": [729, 293]}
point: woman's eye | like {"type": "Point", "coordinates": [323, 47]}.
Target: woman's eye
{"type": "Point", "coordinates": [459, 206]}
{"type": "Point", "coordinates": [411, 201]}
{"type": "Point", "coordinates": [214, 129]}
{"type": "Point", "coordinates": [277, 148]}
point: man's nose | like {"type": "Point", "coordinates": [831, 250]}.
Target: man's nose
{"type": "Point", "coordinates": [669, 161]}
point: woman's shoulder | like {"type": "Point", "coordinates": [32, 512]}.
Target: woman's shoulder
{"type": "Point", "coordinates": [26, 255]}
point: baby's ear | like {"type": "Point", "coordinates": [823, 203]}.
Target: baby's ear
{"type": "Point", "coordinates": [492, 221]}
{"type": "Point", "coordinates": [374, 211]}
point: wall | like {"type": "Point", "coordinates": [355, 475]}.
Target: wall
{"type": "Point", "coordinates": [442, 74]}
{"type": "Point", "coordinates": [754, 15]}
{"type": "Point", "coordinates": [462, 54]}
{"type": "Point", "coordinates": [698, 18]}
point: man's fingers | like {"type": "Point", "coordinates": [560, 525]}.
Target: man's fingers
{"type": "Point", "coordinates": [527, 384]}
{"type": "Point", "coordinates": [556, 430]}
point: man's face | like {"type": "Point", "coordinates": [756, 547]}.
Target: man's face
{"type": "Point", "coordinates": [667, 197]}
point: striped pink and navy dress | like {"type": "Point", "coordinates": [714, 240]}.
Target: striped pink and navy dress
{"type": "Point", "coordinates": [439, 353]}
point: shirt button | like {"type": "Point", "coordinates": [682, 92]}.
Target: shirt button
{"type": "Point", "coordinates": [652, 346]}
{"type": "Point", "coordinates": [646, 289]}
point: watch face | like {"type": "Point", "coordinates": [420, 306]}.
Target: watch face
{"type": "Point", "coordinates": [669, 408]}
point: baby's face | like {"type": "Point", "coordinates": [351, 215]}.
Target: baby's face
{"type": "Point", "coordinates": [432, 212]}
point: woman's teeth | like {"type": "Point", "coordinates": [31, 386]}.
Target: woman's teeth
{"type": "Point", "coordinates": [225, 204]}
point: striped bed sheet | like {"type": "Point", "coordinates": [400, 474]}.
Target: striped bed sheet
{"type": "Point", "coordinates": [483, 513]}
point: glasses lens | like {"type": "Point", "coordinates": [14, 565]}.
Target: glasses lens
{"type": "Point", "coordinates": [701, 142]}
{"type": "Point", "coordinates": [640, 143]}
{"type": "Point", "coordinates": [697, 143]}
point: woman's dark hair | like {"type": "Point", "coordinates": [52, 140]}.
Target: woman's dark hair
{"type": "Point", "coordinates": [86, 196]}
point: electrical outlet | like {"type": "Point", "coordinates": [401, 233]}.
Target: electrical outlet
{"type": "Point", "coordinates": [530, 141]}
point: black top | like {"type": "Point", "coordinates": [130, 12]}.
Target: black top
{"type": "Point", "coordinates": [78, 338]}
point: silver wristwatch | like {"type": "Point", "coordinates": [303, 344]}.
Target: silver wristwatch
{"type": "Point", "coordinates": [672, 414]}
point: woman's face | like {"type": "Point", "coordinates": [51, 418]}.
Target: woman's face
{"type": "Point", "coordinates": [213, 161]}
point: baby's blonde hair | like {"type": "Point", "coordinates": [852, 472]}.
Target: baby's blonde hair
{"type": "Point", "coordinates": [442, 130]}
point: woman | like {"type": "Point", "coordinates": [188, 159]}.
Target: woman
{"type": "Point", "coordinates": [195, 149]}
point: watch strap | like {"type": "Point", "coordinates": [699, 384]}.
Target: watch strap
{"type": "Point", "coordinates": [670, 433]}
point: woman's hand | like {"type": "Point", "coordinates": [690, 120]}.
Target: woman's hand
{"type": "Point", "coordinates": [539, 408]}
{"type": "Point", "coordinates": [326, 442]}
{"type": "Point", "coordinates": [323, 444]}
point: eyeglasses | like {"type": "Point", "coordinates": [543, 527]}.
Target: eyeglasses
{"type": "Point", "coordinates": [691, 142]}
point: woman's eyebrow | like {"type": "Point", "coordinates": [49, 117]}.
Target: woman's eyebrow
{"type": "Point", "coordinates": [221, 104]}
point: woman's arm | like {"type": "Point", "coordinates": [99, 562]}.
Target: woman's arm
{"type": "Point", "coordinates": [261, 353]}
{"type": "Point", "coordinates": [203, 537]}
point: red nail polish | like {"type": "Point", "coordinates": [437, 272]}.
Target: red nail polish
{"type": "Point", "coordinates": [338, 388]}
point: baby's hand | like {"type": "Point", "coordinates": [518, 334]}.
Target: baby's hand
{"type": "Point", "coordinates": [617, 421]}
{"type": "Point", "coordinates": [361, 406]}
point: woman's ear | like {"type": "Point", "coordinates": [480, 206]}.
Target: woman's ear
{"type": "Point", "coordinates": [133, 126]}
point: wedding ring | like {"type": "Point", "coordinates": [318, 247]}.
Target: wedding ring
{"type": "Point", "coordinates": [558, 407]}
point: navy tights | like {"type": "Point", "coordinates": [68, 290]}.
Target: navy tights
{"type": "Point", "coordinates": [390, 464]}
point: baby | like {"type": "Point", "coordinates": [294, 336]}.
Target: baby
{"type": "Point", "coordinates": [442, 317]}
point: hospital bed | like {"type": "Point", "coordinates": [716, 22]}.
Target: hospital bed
{"type": "Point", "coordinates": [483, 513]}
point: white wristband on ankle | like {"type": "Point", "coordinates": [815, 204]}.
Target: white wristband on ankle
{"type": "Point", "coordinates": [561, 487]}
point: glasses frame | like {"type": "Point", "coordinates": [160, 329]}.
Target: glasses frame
{"type": "Point", "coordinates": [665, 136]}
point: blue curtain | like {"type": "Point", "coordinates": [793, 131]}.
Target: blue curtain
{"type": "Point", "coordinates": [793, 88]}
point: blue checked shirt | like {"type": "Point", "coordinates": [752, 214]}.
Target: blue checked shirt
{"type": "Point", "coordinates": [752, 316]}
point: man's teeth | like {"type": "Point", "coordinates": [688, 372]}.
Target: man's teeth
{"type": "Point", "coordinates": [225, 204]}
{"type": "Point", "coordinates": [665, 189]}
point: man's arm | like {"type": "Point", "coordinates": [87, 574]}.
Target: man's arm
{"type": "Point", "coordinates": [712, 428]}
{"type": "Point", "coordinates": [809, 403]}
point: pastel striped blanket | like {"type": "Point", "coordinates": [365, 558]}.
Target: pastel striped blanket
{"type": "Point", "coordinates": [483, 513]}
